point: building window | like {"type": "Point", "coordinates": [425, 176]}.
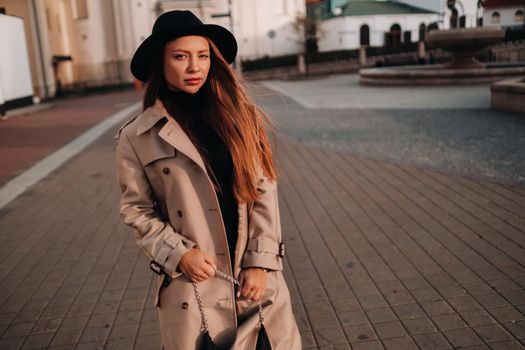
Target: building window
{"type": "Point", "coordinates": [494, 19]}
{"type": "Point", "coordinates": [422, 32]}
{"type": "Point", "coordinates": [518, 16]}
{"type": "Point", "coordinates": [407, 37]}
{"type": "Point", "coordinates": [364, 33]}
{"type": "Point", "coordinates": [80, 9]}
{"type": "Point", "coordinates": [393, 37]}
{"type": "Point", "coordinates": [462, 21]}
{"type": "Point", "coordinates": [480, 22]}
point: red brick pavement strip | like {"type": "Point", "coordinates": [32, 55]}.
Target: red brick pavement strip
{"type": "Point", "coordinates": [27, 139]}
{"type": "Point", "coordinates": [380, 256]}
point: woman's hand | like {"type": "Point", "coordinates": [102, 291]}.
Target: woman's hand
{"type": "Point", "coordinates": [197, 266]}
{"type": "Point", "coordinates": [253, 283]}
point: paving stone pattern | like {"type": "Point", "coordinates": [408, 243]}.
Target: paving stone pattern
{"type": "Point", "coordinates": [379, 256]}
{"type": "Point", "coordinates": [70, 271]}
{"type": "Point", "coordinates": [388, 256]}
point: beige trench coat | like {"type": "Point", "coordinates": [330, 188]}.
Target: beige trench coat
{"type": "Point", "coordinates": [169, 199]}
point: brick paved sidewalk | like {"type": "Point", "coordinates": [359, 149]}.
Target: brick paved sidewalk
{"type": "Point", "coordinates": [388, 256]}
{"type": "Point", "coordinates": [380, 256]}
{"type": "Point", "coordinates": [28, 138]}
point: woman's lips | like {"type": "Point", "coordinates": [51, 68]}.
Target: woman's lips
{"type": "Point", "coordinates": [193, 81]}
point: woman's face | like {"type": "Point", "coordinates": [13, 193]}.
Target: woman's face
{"type": "Point", "coordinates": [186, 63]}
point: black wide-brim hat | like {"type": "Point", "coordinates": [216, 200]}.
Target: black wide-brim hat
{"type": "Point", "coordinates": [174, 24]}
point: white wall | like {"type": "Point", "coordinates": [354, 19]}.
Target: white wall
{"type": "Point", "coordinates": [469, 8]}
{"type": "Point", "coordinates": [204, 12]}
{"type": "Point", "coordinates": [254, 19]}
{"type": "Point", "coordinates": [133, 23]}
{"type": "Point", "coordinates": [507, 15]}
{"type": "Point", "coordinates": [15, 77]}
{"type": "Point", "coordinates": [341, 33]}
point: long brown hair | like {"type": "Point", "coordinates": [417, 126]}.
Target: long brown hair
{"type": "Point", "coordinates": [229, 109]}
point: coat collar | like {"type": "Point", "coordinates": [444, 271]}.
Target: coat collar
{"type": "Point", "coordinates": [151, 116]}
{"type": "Point", "coordinates": [171, 132]}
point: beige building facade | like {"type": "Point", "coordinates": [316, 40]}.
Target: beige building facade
{"type": "Point", "coordinates": [262, 27]}
{"type": "Point", "coordinates": [81, 43]}
{"type": "Point", "coordinates": [87, 43]}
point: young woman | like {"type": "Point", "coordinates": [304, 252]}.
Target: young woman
{"type": "Point", "coordinates": [198, 185]}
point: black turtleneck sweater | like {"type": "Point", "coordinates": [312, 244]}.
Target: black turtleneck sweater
{"type": "Point", "coordinates": [217, 157]}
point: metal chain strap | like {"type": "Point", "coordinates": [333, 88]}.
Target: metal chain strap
{"type": "Point", "coordinates": [204, 320]}
{"type": "Point", "coordinates": [221, 274]}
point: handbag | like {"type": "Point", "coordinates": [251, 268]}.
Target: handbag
{"type": "Point", "coordinates": [263, 341]}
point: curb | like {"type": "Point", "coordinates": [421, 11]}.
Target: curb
{"type": "Point", "coordinates": [45, 166]}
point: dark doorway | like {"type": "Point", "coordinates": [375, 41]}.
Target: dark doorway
{"type": "Point", "coordinates": [462, 21]}
{"type": "Point", "coordinates": [518, 16]}
{"type": "Point", "coordinates": [393, 37]}
{"type": "Point", "coordinates": [433, 26]}
{"type": "Point", "coordinates": [364, 34]}
{"type": "Point", "coordinates": [494, 19]}
{"type": "Point", "coordinates": [422, 32]}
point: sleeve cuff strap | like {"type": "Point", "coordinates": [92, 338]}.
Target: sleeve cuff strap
{"type": "Point", "coordinates": [265, 245]}
{"type": "Point", "coordinates": [265, 260]}
{"type": "Point", "coordinates": [170, 254]}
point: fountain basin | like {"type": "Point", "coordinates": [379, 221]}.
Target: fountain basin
{"type": "Point", "coordinates": [463, 69]}
{"type": "Point", "coordinates": [463, 43]}
{"type": "Point", "coordinates": [437, 75]}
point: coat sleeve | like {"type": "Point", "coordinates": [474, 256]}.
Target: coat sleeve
{"type": "Point", "coordinates": [264, 248]}
{"type": "Point", "coordinates": [156, 237]}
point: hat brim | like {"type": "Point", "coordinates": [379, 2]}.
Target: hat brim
{"type": "Point", "coordinates": [145, 54]}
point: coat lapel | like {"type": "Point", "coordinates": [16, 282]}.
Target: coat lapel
{"type": "Point", "coordinates": [171, 132]}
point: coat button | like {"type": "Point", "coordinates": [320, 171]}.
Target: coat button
{"type": "Point", "coordinates": [166, 170]}
{"type": "Point", "coordinates": [184, 305]}
{"type": "Point", "coordinates": [179, 213]}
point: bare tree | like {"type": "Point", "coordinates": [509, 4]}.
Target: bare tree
{"type": "Point", "coordinates": [309, 30]}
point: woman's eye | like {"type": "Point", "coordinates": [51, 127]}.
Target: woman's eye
{"type": "Point", "coordinates": [180, 56]}
{"type": "Point", "coordinates": [204, 56]}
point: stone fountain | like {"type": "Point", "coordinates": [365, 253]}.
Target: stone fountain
{"type": "Point", "coordinates": [463, 43]}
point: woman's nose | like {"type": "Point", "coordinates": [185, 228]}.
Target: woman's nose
{"type": "Point", "coordinates": [193, 65]}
